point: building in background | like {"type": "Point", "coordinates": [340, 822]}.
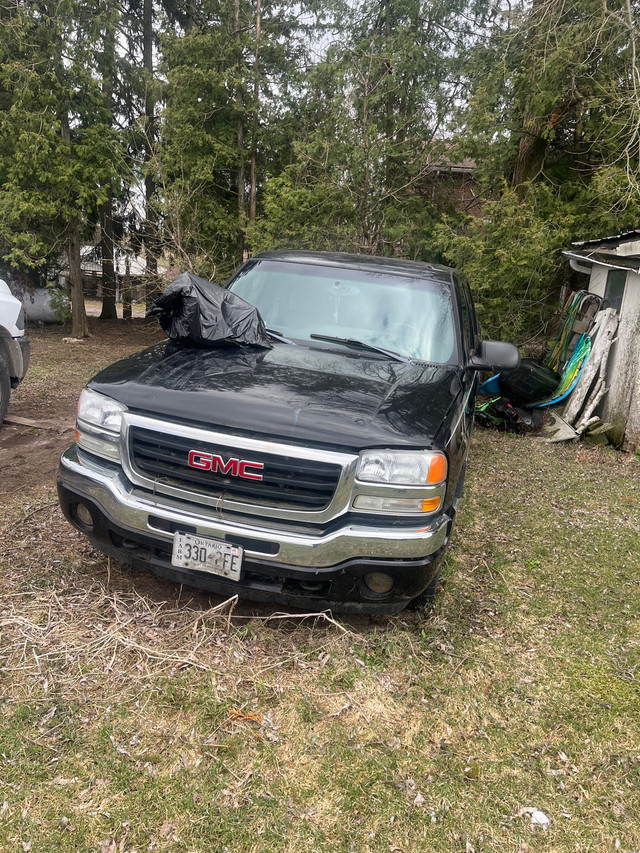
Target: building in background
{"type": "Point", "coordinates": [135, 266]}
{"type": "Point", "coordinates": [611, 267]}
{"type": "Point", "coordinates": [452, 184]}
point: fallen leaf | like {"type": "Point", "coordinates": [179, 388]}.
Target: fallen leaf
{"type": "Point", "coordinates": [472, 770]}
{"type": "Point", "coordinates": [242, 716]}
{"type": "Point", "coordinates": [539, 820]}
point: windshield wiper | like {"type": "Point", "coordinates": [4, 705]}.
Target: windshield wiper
{"type": "Point", "coordinates": [352, 342]}
{"type": "Point", "coordinates": [280, 337]}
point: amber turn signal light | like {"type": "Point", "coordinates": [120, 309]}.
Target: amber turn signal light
{"type": "Point", "coordinates": [430, 505]}
{"type": "Point", "coordinates": [437, 468]}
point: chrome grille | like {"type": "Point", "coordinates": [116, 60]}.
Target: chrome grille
{"type": "Point", "coordinates": [288, 481]}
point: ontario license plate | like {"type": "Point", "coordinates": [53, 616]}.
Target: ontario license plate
{"type": "Point", "coordinates": [207, 555]}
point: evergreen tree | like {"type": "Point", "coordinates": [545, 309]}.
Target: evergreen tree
{"type": "Point", "coordinates": [225, 124]}
{"type": "Point", "coordinates": [56, 141]}
{"type": "Point", "coordinates": [372, 127]}
{"type": "Point", "coordinates": [552, 119]}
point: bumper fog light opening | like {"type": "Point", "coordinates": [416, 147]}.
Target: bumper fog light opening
{"type": "Point", "coordinates": [311, 586]}
{"type": "Point", "coordinates": [82, 515]}
{"type": "Point", "coordinates": [378, 582]}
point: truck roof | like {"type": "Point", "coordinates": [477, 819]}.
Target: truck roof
{"type": "Point", "coordinates": [361, 262]}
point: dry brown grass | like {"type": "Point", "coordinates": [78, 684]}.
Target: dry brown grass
{"type": "Point", "coordinates": [56, 613]}
{"type": "Point", "coordinates": [137, 715]}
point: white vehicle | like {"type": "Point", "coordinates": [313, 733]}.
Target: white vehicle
{"type": "Point", "coordinates": [15, 348]}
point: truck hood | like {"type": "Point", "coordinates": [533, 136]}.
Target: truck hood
{"type": "Point", "coordinates": [316, 394]}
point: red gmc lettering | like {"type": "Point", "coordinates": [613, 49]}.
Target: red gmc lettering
{"type": "Point", "coordinates": [200, 460]}
{"type": "Point", "coordinates": [230, 467]}
{"type": "Point", "coordinates": [233, 467]}
{"type": "Point", "coordinates": [244, 472]}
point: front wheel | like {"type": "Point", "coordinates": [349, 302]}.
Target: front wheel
{"type": "Point", "coordinates": [5, 388]}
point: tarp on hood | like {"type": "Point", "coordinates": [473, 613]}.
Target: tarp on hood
{"type": "Point", "coordinates": [194, 311]}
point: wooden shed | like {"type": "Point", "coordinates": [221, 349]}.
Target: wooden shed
{"type": "Point", "coordinates": [611, 267]}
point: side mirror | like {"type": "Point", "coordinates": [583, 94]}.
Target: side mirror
{"type": "Point", "coordinates": [495, 355]}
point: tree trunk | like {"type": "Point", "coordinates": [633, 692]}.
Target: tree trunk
{"type": "Point", "coordinates": [530, 154]}
{"type": "Point", "coordinates": [240, 136]}
{"type": "Point", "coordinates": [126, 290]}
{"type": "Point", "coordinates": [532, 147]}
{"type": "Point", "coordinates": [389, 118]}
{"type": "Point", "coordinates": [108, 271]}
{"type": "Point", "coordinates": [253, 191]}
{"type": "Point", "coordinates": [107, 64]}
{"type": "Point", "coordinates": [152, 283]}
{"type": "Point", "coordinates": [79, 324]}
{"type": "Point", "coordinates": [189, 16]}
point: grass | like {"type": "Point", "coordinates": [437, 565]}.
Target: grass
{"type": "Point", "coordinates": [136, 716]}
{"type": "Point", "coordinates": [69, 363]}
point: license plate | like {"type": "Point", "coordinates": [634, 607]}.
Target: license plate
{"type": "Point", "coordinates": [207, 555]}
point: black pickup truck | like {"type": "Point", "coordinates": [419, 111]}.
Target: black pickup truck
{"type": "Point", "coordinates": [321, 470]}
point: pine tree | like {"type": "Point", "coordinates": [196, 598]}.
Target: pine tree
{"type": "Point", "coordinates": [56, 142]}
{"type": "Point", "coordinates": [371, 126]}
{"type": "Point", "coordinates": [225, 124]}
{"type": "Point", "coordinates": [553, 121]}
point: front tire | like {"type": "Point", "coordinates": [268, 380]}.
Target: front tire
{"type": "Point", "coordinates": [5, 388]}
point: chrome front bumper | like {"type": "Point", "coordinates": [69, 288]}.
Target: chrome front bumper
{"type": "Point", "coordinates": [139, 511]}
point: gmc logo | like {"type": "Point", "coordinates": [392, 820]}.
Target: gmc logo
{"type": "Point", "coordinates": [232, 467]}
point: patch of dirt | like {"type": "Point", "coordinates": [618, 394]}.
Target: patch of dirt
{"type": "Point", "coordinates": [93, 308]}
{"type": "Point", "coordinates": [29, 456]}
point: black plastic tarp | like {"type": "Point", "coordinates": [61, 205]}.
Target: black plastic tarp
{"type": "Point", "coordinates": [194, 311]}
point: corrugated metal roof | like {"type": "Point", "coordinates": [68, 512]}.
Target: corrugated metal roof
{"type": "Point", "coordinates": [615, 240]}
{"type": "Point", "coordinates": [607, 259]}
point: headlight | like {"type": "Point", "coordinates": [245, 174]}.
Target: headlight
{"type": "Point", "coordinates": [99, 423]}
{"type": "Point", "coordinates": [402, 467]}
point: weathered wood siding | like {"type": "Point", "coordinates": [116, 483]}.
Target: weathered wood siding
{"type": "Point", "coordinates": [621, 406]}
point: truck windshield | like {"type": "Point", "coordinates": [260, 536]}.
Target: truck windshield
{"type": "Point", "coordinates": [401, 313]}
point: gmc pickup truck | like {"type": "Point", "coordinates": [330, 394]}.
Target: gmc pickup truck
{"type": "Point", "coordinates": [15, 348]}
{"type": "Point", "coordinates": [321, 470]}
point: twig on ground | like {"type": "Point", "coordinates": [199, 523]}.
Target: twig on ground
{"type": "Point", "coordinates": [35, 511]}
{"type": "Point", "coordinates": [321, 614]}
